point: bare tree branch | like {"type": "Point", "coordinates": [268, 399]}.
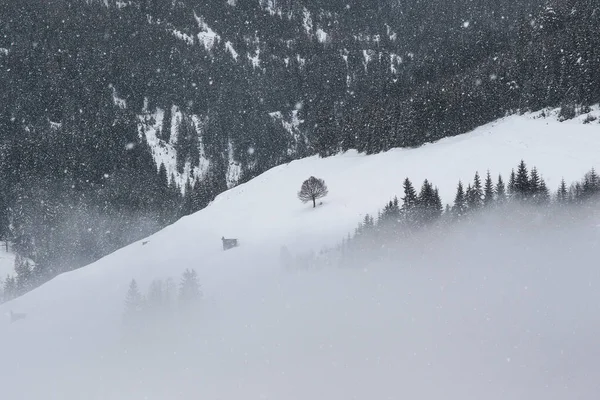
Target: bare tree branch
{"type": "Point", "coordinates": [312, 189]}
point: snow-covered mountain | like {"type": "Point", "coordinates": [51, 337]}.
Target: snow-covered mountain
{"type": "Point", "coordinates": [266, 333]}
{"type": "Point", "coordinates": [134, 113]}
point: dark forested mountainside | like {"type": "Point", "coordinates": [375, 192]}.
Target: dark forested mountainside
{"type": "Point", "coordinates": [250, 84]}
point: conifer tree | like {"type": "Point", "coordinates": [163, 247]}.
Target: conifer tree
{"type": "Point", "coordinates": [437, 205]}
{"type": "Point", "coordinates": [367, 224]}
{"type": "Point", "coordinates": [460, 201]}
{"type": "Point", "coordinates": [477, 196]}
{"type": "Point", "coordinates": [591, 184]}
{"type": "Point", "coordinates": [500, 190]}
{"type": "Point", "coordinates": [562, 195]}
{"type": "Point", "coordinates": [471, 198]}
{"type": "Point", "coordinates": [429, 203]}
{"type": "Point", "coordinates": [24, 280]}
{"type": "Point", "coordinates": [534, 183]}
{"type": "Point", "coordinates": [365, 232]}
{"type": "Point", "coordinates": [163, 180]}
{"type": "Point", "coordinates": [189, 288]}
{"type": "Point", "coordinates": [543, 194]}
{"type": "Point", "coordinates": [522, 182]}
{"type": "Point", "coordinates": [576, 192]}
{"type": "Point", "coordinates": [199, 196]}
{"type": "Point", "coordinates": [512, 182]}
{"type": "Point", "coordinates": [409, 203]}
{"type": "Point", "coordinates": [488, 194]}
{"type": "Point", "coordinates": [391, 212]}
{"type": "Point", "coordinates": [133, 301]}
{"type": "Point", "coordinates": [10, 288]}
{"type": "Point", "coordinates": [155, 300]}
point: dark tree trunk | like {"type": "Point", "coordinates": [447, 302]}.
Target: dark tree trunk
{"type": "Point", "coordinates": [314, 202]}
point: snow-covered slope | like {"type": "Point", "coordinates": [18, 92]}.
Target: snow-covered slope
{"type": "Point", "coordinates": [334, 334]}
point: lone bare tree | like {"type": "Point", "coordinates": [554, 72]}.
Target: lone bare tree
{"type": "Point", "coordinates": [312, 189]}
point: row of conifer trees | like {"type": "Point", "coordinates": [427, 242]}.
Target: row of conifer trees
{"type": "Point", "coordinates": [419, 209]}
{"type": "Point", "coordinates": [162, 296]}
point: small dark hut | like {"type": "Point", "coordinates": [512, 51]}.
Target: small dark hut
{"type": "Point", "coordinates": [14, 317]}
{"type": "Point", "coordinates": [229, 243]}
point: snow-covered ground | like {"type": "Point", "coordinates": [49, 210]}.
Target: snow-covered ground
{"type": "Point", "coordinates": [433, 332]}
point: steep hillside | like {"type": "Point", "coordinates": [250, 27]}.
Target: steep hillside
{"type": "Point", "coordinates": [335, 333]}
{"type": "Point", "coordinates": [99, 95]}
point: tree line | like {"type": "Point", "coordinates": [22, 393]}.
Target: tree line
{"type": "Point", "coordinates": [163, 308]}
{"type": "Point", "coordinates": [417, 210]}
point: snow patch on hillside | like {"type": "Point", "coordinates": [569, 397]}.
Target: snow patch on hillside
{"type": "Point", "coordinates": [301, 61]}
{"type": "Point", "coordinates": [367, 57]}
{"type": "Point", "coordinates": [231, 50]}
{"type": "Point", "coordinates": [176, 118]}
{"type": "Point", "coordinates": [345, 53]}
{"type": "Point", "coordinates": [291, 123]}
{"type": "Point", "coordinates": [119, 102]}
{"type": "Point", "coordinates": [151, 123]}
{"type": "Point", "coordinates": [321, 35]}
{"type": "Point", "coordinates": [390, 33]}
{"type": "Point", "coordinates": [55, 125]}
{"type": "Point", "coordinates": [234, 169]}
{"type": "Point", "coordinates": [307, 22]}
{"type": "Point", "coordinates": [207, 36]}
{"type": "Point", "coordinates": [183, 36]}
{"type": "Point", "coordinates": [395, 61]}
{"type": "Point", "coordinates": [271, 7]}
{"type": "Point", "coordinates": [255, 59]}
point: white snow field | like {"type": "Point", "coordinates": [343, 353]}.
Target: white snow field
{"type": "Point", "coordinates": [454, 322]}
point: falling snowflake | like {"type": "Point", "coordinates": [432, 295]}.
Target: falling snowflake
{"type": "Point", "coordinates": [250, 150]}
{"type": "Point", "coordinates": [130, 146]}
{"type": "Point", "coordinates": [466, 24]}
